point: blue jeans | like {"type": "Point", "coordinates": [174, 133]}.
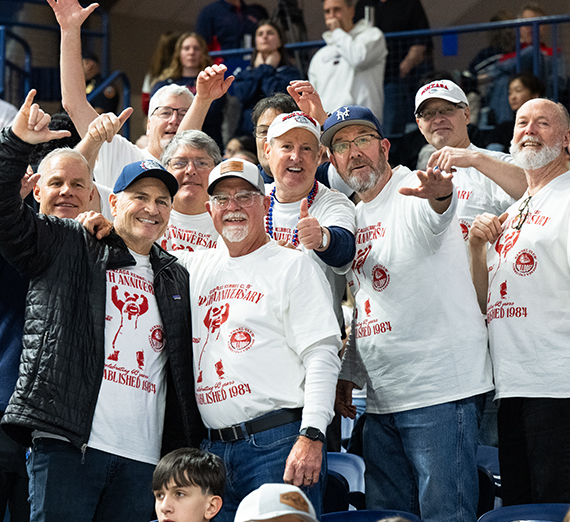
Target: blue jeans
{"type": "Point", "coordinates": [257, 461]}
{"type": "Point", "coordinates": [424, 461]}
{"type": "Point", "coordinates": [98, 486]}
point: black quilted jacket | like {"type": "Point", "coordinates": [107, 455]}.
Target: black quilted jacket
{"type": "Point", "coordinates": [63, 356]}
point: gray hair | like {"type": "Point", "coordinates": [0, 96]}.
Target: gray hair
{"type": "Point", "coordinates": [66, 153]}
{"type": "Point", "coordinates": [195, 139]}
{"type": "Point", "coordinates": [167, 91]}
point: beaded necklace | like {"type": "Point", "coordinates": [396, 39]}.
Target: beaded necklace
{"type": "Point", "coordinates": [269, 219]}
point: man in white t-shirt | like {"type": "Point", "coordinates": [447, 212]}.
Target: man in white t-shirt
{"type": "Point", "coordinates": [523, 283]}
{"type": "Point", "coordinates": [190, 157]}
{"type": "Point", "coordinates": [349, 69]}
{"type": "Point", "coordinates": [418, 339]}
{"type": "Point", "coordinates": [112, 317]}
{"type": "Point", "coordinates": [265, 345]}
{"type": "Point", "coordinates": [485, 181]}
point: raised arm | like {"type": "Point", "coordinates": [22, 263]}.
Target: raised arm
{"type": "Point", "coordinates": [485, 229]}
{"type": "Point", "coordinates": [507, 175]}
{"type": "Point", "coordinates": [102, 129]}
{"type": "Point", "coordinates": [210, 85]}
{"type": "Point", "coordinates": [70, 17]}
{"type": "Point", "coordinates": [308, 99]}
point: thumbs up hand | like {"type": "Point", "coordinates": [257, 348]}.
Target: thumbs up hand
{"type": "Point", "coordinates": [308, 228]}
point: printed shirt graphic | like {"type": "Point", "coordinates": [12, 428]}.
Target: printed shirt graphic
{"type": "Point", "coordinates": [185, 232]}
{"type": "Point", "coordinates": [129, 415]}
{"type": "Point", "coordinates": [417, 319]}
{"type": "Point", "coordinates": [529, 293]}
{"type": "Point", "coordinates": [250, 328]}
{"type": "Point", "coordinates": [331, 208]}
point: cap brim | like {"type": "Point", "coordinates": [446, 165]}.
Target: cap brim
{"type": "Point", "coordinates": [327, 136]}
{"type": "Point", "coordinates": [168, 179]}
{"type": "Point", "coordinates": [439, 97]}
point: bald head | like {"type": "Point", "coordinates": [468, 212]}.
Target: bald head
{"type": "Point", "coordinates": [542, 132]}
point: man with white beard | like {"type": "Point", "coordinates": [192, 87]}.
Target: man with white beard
{"type": "Point", "coordinates": [523, 284]}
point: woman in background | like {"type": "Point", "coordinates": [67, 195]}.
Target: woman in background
{"type": "Point", "coordinates": [270, 72]}
{"type": "Point", "coordinates": [189, 59]}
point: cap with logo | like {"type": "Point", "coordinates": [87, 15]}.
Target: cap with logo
{"type": "Point", "coordinates": [145, 169]}
{"type": "Point", "coordinates": [236, 168]}
{"type": "Point", "coordinates": [349, 115]}
{"type": "Point", "coordinates": [275, 500]}
{"type": "Point", "coordinates": [293, 120]}
{"type": "Point", "coordinates": [441, 89]}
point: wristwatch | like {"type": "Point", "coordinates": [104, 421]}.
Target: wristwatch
{"type": "Point", "coordinates": [312, 433]}
{"type": "Point", "coordinates": [324, 239]}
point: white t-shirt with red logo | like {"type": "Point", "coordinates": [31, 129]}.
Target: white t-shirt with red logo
{"type": "Point", "coordinates": [189, 232]}
{"type": "Point", "coordinates": [529, 297]}
{"type": "Point", "coordinates": [330, 208]}
{"type": "Point", "coordinates": [476, 193]}
{"type": "Point", "coordinates": [420, 336]}
{"type": "Point", "coordinates": [253, 319]}
{"type": "Point", "coordinates": [129, 414]}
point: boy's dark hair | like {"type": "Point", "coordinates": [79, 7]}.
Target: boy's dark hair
{"type": "Point", "coordinates": [278, 101]}
{"type": "Point", "coordinates": [191, 467]}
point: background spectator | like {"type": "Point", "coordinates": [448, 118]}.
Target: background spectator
{"type": "Point", "coordinates": [108, 100]}
{"type": "Point", "coordinates": [270, 72]}
{"type": "Point", "coordinates": [189, 58]}
{"type": "Point", "coordinates": [160, 60]}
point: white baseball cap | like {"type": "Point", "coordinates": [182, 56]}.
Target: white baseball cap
{"type": "Point", "coordinates": [275, 500]}
{"type": "Point", "coordinates": [442, 89]}
{"type": "Point", "coordinates": [236, 168]}
{"type": "Point", "coordinates": [293, 120]}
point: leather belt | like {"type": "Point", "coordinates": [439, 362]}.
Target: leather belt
{"type": "Point", "coordinates": [266, 422]}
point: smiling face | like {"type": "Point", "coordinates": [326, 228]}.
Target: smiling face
{"type": "Point", "coordinates": [263, 123]}
{"type": "Point", "coordinates": [293, 159]}
{"type": "Point", "coordinates": [237, 225]}
{"type": "Point", "coordinates": [65, 188]}
{"type": "Point", "coordinates": [540, 136]}
{"type": "Point", "coordinates": [267, 39]}
{"type": "Point", "coordinates": [141, 213]}
{"type": "Point", "coordinates": [442, 131]}
{"type": "Point", "coordinates": [364, 171]}
{"type": "Point", "coordinates": [192, 181]}
{"type": "Point", "coordinates": [190, 54]}
{"type": "Point", "coordinates": [161, 131]}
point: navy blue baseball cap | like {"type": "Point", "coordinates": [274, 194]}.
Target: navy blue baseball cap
{"type": "Point", "coordinates": [145, 169]}
{"type": "Point", "coordinates": [349, 115]}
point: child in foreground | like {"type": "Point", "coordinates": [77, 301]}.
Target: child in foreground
{"type": "Point", "coordinates": [188, 486]}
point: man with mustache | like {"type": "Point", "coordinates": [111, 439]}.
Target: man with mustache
{"type": "Point", "coordinates": [265, 345]}
{"type": "Point", "coordinates": [523, 283]}
{"type": "Point", "coordinates": [418, 340]}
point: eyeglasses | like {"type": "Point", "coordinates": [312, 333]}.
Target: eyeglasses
{"type": "Point", "coordinates": [182, 163]}
{"type": "Point", "coordinates": [524, 210]}
{"type": "Point", "coordinates": [260, 131]}
{"type": "Point", "coordinates": [361, 143]}
{"type": "Point", "coordinates": [165, 113]}
{"type": "Point", "coordinates": [446, 110]}
{"type": "Point", "coordinates": [242, 199]}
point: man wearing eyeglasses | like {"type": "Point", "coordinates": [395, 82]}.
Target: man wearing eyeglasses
{"type": "Point", "coordinates": [485, 181]}
{"type": "Point", "coordinates": [523, 283]}
{"type": "Point", "coordinates": [418, 340]}
{"type": "Point", "coordinates": [265, 345]}
{"type": "Point", "coordinates": [166, 111]}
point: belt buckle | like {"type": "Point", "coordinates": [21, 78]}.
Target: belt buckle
{"type": "Point", "coordinates": [235, 432]}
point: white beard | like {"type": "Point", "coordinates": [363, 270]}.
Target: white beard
{"type": "Point", "coordinates": [529, 159]}
{"type": "Point", "coordinates": [235, 234]}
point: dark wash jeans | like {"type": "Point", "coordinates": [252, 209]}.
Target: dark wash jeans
{"type": "Point", "coordinates": [96, 486]}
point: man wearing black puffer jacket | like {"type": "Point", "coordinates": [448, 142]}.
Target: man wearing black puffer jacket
{"type": "Point", "coordinates": [106, 371]}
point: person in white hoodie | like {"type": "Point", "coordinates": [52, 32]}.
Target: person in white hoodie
{"type": "Point", "coordinates": [349, 70]}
